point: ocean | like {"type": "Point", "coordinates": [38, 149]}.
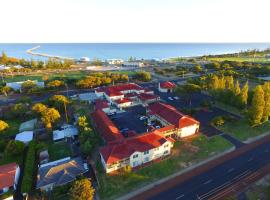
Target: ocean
{"type": "Point", "coordinates": [106, 51]}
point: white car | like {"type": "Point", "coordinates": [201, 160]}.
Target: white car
{"type": "Point", "coordinates": [176, 98]}
{"type": "Point", "coordinates": [143, 117]}
{"type": "Point", "coordinates": [170, 98]}
{"type": "Point", "coordinates": [157, 127]}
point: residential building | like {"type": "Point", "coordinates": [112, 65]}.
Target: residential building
{"type": "Point", "coordinates": [103, 104]}
{"type": "Point", "coordinates": [135, 151]}
{"type": "Point", "coordinates": [67, 131]}
{"type": "Point", "coordinates": [166, 86]}
{"type": "Point", "coordinates": [59, 172]}
{"type": "Point", "coordinates": [9, 177]}
{"type": "Point", "coordinates": [18, 85]}
{"type": "Point", "coordinates": [174, 123]}
{"type": "Point", "coordinates": [123, 103]}
{"type": "Point", "coordinates": [133, 64]}
{"type": "Point", "coordinates": [25, 137]}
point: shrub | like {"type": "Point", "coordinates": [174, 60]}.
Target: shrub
{"type": "Point", "coordinates": [218, 121]}
{"type": "Point", "coordinates": [14, 148]}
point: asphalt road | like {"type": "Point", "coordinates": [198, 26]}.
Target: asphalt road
{"type": "Point", "coordinates": [216, 179]}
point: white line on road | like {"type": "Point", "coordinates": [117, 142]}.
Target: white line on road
{"type": "Point", "coordinates": [181, 196]}
{"type": "Point", "coordinates": [209, 181]}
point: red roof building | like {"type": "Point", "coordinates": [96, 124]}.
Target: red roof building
{"type": "Point", "coordinates": [171, 115]}
{"type": "Point", "coordinates": [167, 85]}
{"type": "Point", "coordinates": [117, 152]}
{"type": "Point", "coordinates": [106, 127]}
{"type": "Point", "coordinates": [122, 101]}
{"type": "Point", "coordinates": [148, 97]}
{"type": "Point", "coordinates": [8, 176]}
{"type": "Point", "coordinates": [101, 104]}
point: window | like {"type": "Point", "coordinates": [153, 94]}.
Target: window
{"type": "Point", "coordinates": [166, 146]}
{"type": "Point", "coordinates": [135, 156]}
{"type": "Point", "coordinates": [135, 163]}
{"type": "Point", "coordinates": [146, 159]}
{"type": "Point", "coordinates": [156, 149]}
{"type": "Point", "coordinates": [166, 152]}
{"type": "Point", "coordinates": [146, 152]}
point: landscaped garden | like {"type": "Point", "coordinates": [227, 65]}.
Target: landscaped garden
{"type": "Point", "coordinates": [184, 154]}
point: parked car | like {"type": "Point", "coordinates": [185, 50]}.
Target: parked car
{"type": "Point", "coordinates": [170, 98]}
{"type": "Point", "coordinates": [176, 98]}
{"type": "Point", "coordinates": [157, 127]}
{"type": "Point", "coordinates": [143, 117]}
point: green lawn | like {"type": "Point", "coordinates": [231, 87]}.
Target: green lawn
{"type": "Point", "coordinates": [242, 130]}
{"type": "Point", "coordinates": [114, 186]}
{"type": "Point", "coordinates": [228, 108]}
{"type": "Point", "coordinates": [59, 150]}
{"type": "Point", "coordinates": [240, 59]}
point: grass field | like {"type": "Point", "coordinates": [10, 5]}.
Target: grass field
{"type": "Point", "coordinates": [241, 59]}
{"type": "Point", "coordinates": [183, 156]}
{"type": "Point", "coordinates": [59, 150]}
{"type": "Point", "coordinates": [243, 131]}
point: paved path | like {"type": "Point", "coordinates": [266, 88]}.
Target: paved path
{"type": "Point", "coordinates": [233, 140]}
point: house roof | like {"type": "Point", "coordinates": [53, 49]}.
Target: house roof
{"type": "Point", "coordinates": [115, 152]}
{"type": "Point", "coordinates": [171, 115]}
{"type": "Point", "coordinates": [7, 175]}
{"type": "Point", "coordinates": [146, 96]}
{"type": "Point", "coordinates": [25, 136]}
{"type": "Point", "coordinates": [101, 104]}
{"type": "Point", "coordinates": [67, 132]}
{"type": "Point", "coordinates": [117, 90]}
{"type": "Point", "coordinates": [60, 172]}
{"type": "Point", "coordinates": [106, 127]}
{"type": "Point", "coordinates": [167, 85]}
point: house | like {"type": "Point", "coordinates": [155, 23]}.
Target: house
{"type": "Point", "coordinates": [115, 61]}
{"type": "Point", "coordinates": [109, 132]}
{"type": "Point", "coordinates": [90, 97]}
{"type": "Point", "coordinates": [135, 151]}
{"type": "Point", "coordinates": [25, 137]}
{"type": "Point", "coordinates": [133, 64]}
{"type": "Point", "coordinates": [18, 85]}
{"type": "Point", "coordinates": [175, 124]}
{"type": "Point", "coordinates": [9, 177]}
{"type": "Point", "coordinates": [166, 86]}
{"type": "Point", "coordinates": [102, 104]}
{"type": "Point", "coordinates": [68, 131]}
{"type": "Point", "coordinates": [59, 173]}
{"type": "Point", "coordinates": [123, 103]}
{"type": "Point", "coordinates": [147, 98]}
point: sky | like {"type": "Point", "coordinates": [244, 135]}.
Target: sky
{"type": "Point", "coordinates": [134, 21]}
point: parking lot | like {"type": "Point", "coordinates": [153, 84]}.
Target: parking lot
{"type": "Point", "coordinates": [130, 120]}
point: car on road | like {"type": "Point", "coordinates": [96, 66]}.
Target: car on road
{"type": "Point", "coordinates": [143, 118]}
{"type": "Point", "coordinates": [176, 98]}
{"type": "Point", "coordinates": [124, 130]}
{"type": "Point", "coordinates": [170, 98]}
{"type": "Point", "coordinates": [157, 127]}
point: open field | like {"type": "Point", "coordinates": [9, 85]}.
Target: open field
{"type": "Point", "coordinates": [242, 130]}
{"type": "Point", "coordinates": [184, 155]}
{"type": "Point", "coordinates": [241, 59]}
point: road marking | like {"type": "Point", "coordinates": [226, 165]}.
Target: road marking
{"type": "Point", "coordinates": [230, 170]}
{"type": "Point", "coordinates": [241, 175]}
{"type": "Point", "coordinates": [181, 196]}
{"type": "Point", "coordinates": [209, 181]}
{"type": "Point", "coordinates": [203, 196]}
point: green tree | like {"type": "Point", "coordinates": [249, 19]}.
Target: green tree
{"type": "Point", "coordinates": [50, 116]}
{"type": "Point", "coordinates": [82, 122]}
{"type": "Point", "coordinates": [6, 90]}
{"type": "Point", "coordinates": [4, 58]}
{"type": "Point", "coordinates": [28, 86]}
{"type": "Point", "coordinates": [244, 94]}
{"type": "Point", "coordinates": [142, 76]}
{"type": "Point", "coordinates": [19, 109]}
{"type": "Point", "coordinates": [237, 89]}
{"type": "Point", "coordinates": [197, 68]}
{"type": "Point", "coordinates": [257, 106]}
{"type": "Point", "coordinates": [55, 84]}
{"type": "Point", "coordinates": [82, 190]}
{"type": "Point", "coordinates": [230, 83]}
{"type": "Point", "coordinates": [266, 113]}
{"type": "Point", "coordinates": [3, 126]}
{"type": "Point", "coordinates": [39, 108]}
{"type": "Point", "coordinates": [14, 148]}
{"type": "Point", "coordinates": [60, 102]}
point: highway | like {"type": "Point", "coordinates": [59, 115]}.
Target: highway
{"type": "Point", "coordinates": [212, 182]}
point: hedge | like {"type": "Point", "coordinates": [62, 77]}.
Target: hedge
{"type": "Point", "coordinates": [29, 165]}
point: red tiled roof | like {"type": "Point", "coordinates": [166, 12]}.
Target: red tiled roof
{"type": "Point", "coordinates": [101, 104]}
{"type": "Point", "coordinates": [106, 127]}
{"type": "Point", "coordinates": [171, 115]}
{"type": "Point", "coordinates": [141, 143]}
{"type": "Point", "coordinates": [131, 95]}
{"type": "Point", "coordinates": [124, 100]}
{"type": "Point", "coordinates": [7, 175]}
{"type": "Point", "coordinates": [145, 96]}
{"type": "Point", "coordinates": [117, 90]}
{"type": "Point", "coordinates": [167, 85]}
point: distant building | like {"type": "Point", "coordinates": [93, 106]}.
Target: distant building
{"type": "Point", "coordinates": [115, 61]}
{"type": "Point", "coordinates": [166, 86]}
{"type": "Point", "coordinates": [18, 85]}
{"type": "Point", "coordinates": [9, 177]}
{"type": "Point", "coordinates": [133, 64]}
{"type": "Point", "coordinates": [84, 59]}
{"type": "Point", "coordinates": [59, 173]}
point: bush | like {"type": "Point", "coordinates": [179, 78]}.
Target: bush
{"type": "Point", "coordinates": [29, 168]}
{"type": "Point", "coordinates": [218, 121]}
{"type": "Point", "coordinates": [14, 148]}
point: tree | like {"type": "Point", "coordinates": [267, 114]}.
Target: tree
{"type": "Point", "coordinates": [4, 58]}
{"type": "Point", "coordinates": [266, 112]}
{"type": "Point", "coordinates": [197, 68]}
{"type": "Point", "coordinates": [244, 94]}
{"type": "Point", "coordinates": [50, 116]}
{"type": "Point", "coordinates": [188, 90]}
{"type": "Point", "coordinates": [39, 108]}
{"type": "Point", "coordinates": [55, 84]}
{"type": "Point", "coordinates": [28, 86]}
{"type": "Point", "coordinates": [3, 126]}
{"type": "Point", "coordinates": [230, 83]}
{"type": "Point", "coordinates": [82, 190]}
{"type": "Point", "coordinates": [19, 109]}
{"type": "Point", "coordinates": [5, 90]}
{"type": "Point", "coordinates": [257, 106]}
{"type": "Point", "coordinates": [237, 89]}
{"type": "Point", "coordinates": [14, 148]}
{"type": "Point", "coordinates": [82, 122]}
{"type": "Point", "coordinates": [142, 76]}
{"type": "Point", "coordinates": [60, 101]}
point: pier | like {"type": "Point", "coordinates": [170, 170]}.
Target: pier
{"type": "Point", "coordinates": [31, 52]}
